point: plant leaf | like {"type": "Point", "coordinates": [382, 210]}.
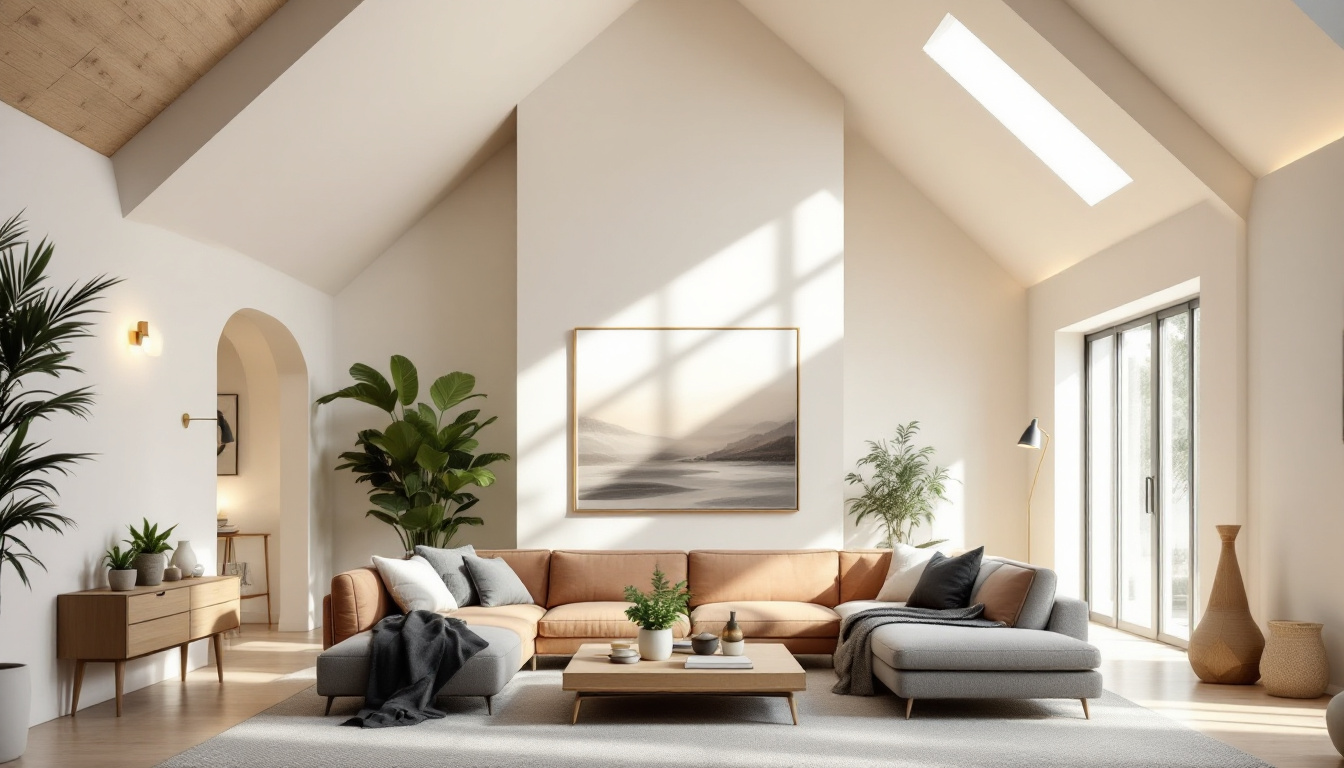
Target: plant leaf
{"type": "Point", "coordinates": [406, 380]}
{"type": "Point", "coordinates": [448, 391]}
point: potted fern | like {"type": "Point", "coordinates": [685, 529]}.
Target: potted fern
{"type": "Point", "coordinates": [121, 571]}
{"type": "Point", "coordinates": [150, 546]}
{"type": "Point", "coordinates": [904, 489]}
{"type": "Point", "coordinates": [656, 612]}
{"type": "Point", "coordinates": [38, 322]}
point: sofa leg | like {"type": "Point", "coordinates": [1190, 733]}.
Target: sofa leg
{"type": "Point", "coordinates": [330, 699]}
{"type": "Point", "coordinates": [909, 705]}
{"type": "Point", "coordinates": [534, 662]}
{"type": "Point", "coordinates": [489, 706]}
{"type": "Point", "coordinates": [1087, 713]}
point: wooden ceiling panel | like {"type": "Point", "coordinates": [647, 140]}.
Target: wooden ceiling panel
{"type": "Point", "coordinates": [100, 70]}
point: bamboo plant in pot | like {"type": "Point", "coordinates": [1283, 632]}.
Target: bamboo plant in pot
{"type": "Point", "coordinates": [37, 324]}
{"type": "Point", "coordinates": [656, 613]}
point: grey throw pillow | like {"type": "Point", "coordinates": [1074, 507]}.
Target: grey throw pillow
{"type": "Point", "coordinates": [496, 583]}
{"type": "Point", "coordinates": [448, 563]}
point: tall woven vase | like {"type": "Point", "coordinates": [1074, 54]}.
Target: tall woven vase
{"type": "Point", "coordinates": [1227, 644]}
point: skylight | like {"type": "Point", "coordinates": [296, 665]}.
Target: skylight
{"type": "Point", "coordinates": [1024, 112]}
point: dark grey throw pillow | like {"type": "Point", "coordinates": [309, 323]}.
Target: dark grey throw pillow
{"type": "Point", "coordinates": [448, 564]}
{"type": "Point", "coordinates": [496, 583]}
{"type": "Point", "coordinates": [947, 581]}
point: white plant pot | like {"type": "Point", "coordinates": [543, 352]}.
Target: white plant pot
{"type": "Point", "coordinates": [655, 644]}
{"type": "Point", "coordinates": [15, 698]}
{"type": "Point", "coordinates": [121, 581]}
{"type": "Point", "coordinates": [184, 557]}
{"type": "Point", "coordinates": [1334, 722]}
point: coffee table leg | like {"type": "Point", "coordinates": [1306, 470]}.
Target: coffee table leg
{"type": "Point", "coordinates": [793, 707]}
{"type": "Point", "coordinates": [578, 702]}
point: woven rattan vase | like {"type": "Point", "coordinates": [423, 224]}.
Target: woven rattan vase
{"type": "Point", "coordinates": [1294, 665]}
{"type": "Point", "coordinates": [1226, 646]}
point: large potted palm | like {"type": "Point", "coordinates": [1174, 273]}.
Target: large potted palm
{"type": "Point", "coordinates": [37, 325]}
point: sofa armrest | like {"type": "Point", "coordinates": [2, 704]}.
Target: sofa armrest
{"type": "Point", "coordinates": [1069, 617]}
{"type": "Point", "coordinates": [358, 601]}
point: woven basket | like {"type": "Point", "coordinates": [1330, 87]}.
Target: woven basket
{"type": "Point", "coordinates": [1294, 665]}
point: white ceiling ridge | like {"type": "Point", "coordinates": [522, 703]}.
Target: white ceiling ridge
{"type": "Point", "coordinates": [1151, 107]}
{"type": "Point", "coordinates": [180, 131]}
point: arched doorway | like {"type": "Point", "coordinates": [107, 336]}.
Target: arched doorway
{"type": "Point", "coordinates": [260, 361]}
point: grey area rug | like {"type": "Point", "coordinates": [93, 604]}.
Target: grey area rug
{"type": "Point", "coordinates": [531, 727]}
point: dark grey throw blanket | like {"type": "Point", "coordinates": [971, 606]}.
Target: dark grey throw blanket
{"type": "Point", "coordinates": [854, 654]}
{"type": "Point", "coordinates": [411, 658]}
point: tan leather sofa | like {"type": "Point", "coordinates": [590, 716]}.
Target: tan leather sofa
{"type": "Point", "coordinates": [782, 596]}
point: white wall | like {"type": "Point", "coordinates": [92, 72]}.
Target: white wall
{"type": "Point", "coordinates": [147, 464]}
{"type": "Point", "coordinates": [935, 331]}
{"type": "Point", "coordinates": [1296, 276]}
{"type": "Point", "coordinates": [442, 295]}
{"type": "Point", "coordinates": [685, 169]}
{"type": "Point", "coordinates": [1201, 250]}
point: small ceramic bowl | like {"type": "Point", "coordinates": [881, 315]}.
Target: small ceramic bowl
{"type": "Point", "coordinates": [704, 644]}
{"type": "Point", "coordinates": [624, 656]}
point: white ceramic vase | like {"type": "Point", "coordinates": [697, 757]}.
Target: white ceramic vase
{"type": "Point", "coordinates": [184, 557]}
{"type": "Point", "coordinates": [655, 644]}
{"type": "Point", "coordinates": [1334, 722]}
{"type": "Point", "coordinates": [15, 698]}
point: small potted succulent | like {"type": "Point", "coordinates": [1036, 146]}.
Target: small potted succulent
{"type": "Point", "coordinates": [150, 545]}
{"type": "Point", "coordinates": [656, 612]}
{"type": "Point", "coordinates": [121, 572]}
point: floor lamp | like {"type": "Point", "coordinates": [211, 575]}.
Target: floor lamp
{"type": "Point", "coordinates": [1032, 439]}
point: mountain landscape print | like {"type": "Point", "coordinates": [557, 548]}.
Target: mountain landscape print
{"type": "Point", "coordinates": [686, 419]}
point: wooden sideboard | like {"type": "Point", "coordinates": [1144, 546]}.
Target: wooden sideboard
{"type": "Point", "coordinates": [102, 625]}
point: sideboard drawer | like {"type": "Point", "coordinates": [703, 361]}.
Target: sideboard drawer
{"type": "Point", "coordinates": [214, 592]}
{"type": "Point", "coordinates": [213, 619]}
{"type": "Point", "coordinates": [153, 605]}
{"type": "Point", "coordinates": [157, 634]}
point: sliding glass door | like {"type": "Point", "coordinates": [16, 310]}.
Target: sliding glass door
{"type": "Point", "coordinates": [1141, 509]}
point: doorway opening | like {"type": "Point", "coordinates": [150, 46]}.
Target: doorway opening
{"type": "Point", "coordinates": [262, 485]}
{"type": "Point", "coordinates": [1142, 410]}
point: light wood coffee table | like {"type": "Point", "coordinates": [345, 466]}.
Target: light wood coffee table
{"type": "Point", "coordinates": [775, 673]}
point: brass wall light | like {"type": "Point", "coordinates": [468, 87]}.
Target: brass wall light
{"type": "Point", "coordinates": [225, 431]}
{"type": "Point", "coordinates": [141, 339]}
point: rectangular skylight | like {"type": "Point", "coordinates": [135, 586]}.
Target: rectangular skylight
{"type": "Point", "coordinates": [1024, 112]}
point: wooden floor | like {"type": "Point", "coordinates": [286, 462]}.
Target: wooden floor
{"type": "Point", "coordinates": [264, 666]}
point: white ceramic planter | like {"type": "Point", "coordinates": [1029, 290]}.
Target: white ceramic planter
{"type": "Point", "coordinates": [1334, 722]}
{"type": "Point", "coordinates": [15, 697]}
{"type": "Point", "coordinates": [655, 644]}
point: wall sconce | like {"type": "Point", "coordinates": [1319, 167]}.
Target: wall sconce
{"type": "Point", "coordinates": [142, 340]}
{"type": "Point", "coordinates": [225, 431]}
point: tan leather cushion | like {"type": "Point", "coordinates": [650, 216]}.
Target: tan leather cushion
{"type": "Point", "coordinates": [1005, 592]}
{"type": "Point", "coordinates": [862, 572]}
{"type": "Point", "coordinates": [533, 567]}
{"type": "Point", "coordinates": [358, 601]}
{"type": "Point", "coordinates": [585, 577]}
{"type": "Point", "coordinates": [522, 619]}
{"type": "Point", "coordinates": [773, 619]}
{"type": "Point", "coordinates": [808, 576]}
{"type": "Point", "coordinates": [600, 619]}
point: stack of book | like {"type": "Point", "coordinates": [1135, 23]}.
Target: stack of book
{"type": "Point", "coordinates": [224, 526]}
{"type": "Point", "coordinates": [718, 662]}
{"type": "Point", "coordinates": [681, 646]}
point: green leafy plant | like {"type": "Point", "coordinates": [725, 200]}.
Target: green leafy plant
{"type": "Point", "coordinates": [904, 489]}
{"type": "Point", "coordinates": [37, 324]}
{"type": "Point", "coordinates": [660, 608]}
{"type": "Point", "coordinates": [420, 466]}
{"type": "Point", "coordinates": [117, 560]}
{"type": "Point", "coordinates": [148, 540]}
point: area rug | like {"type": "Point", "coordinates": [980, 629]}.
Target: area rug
{"type": "Point", "coordinates": [531, 727]}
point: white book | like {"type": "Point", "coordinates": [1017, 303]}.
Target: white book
{"type": "Point", "coordinates": [718, 662]}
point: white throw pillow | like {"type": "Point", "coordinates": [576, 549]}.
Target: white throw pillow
{"type": "Point", "coordinates": [415, 585]}
{"type": "Point", "coordinates": [907, 565]}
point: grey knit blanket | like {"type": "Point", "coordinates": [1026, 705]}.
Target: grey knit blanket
{"type": "Point", "coordinates": [854, 654]}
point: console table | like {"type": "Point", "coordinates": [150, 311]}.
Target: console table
{"type": "Point", "coordinates": [265, 563]}
{"type": "Point", "coordinates": [102, 625]}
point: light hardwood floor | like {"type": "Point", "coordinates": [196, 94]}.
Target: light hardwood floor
{"type": "Point", "coordinates": [262, 667]}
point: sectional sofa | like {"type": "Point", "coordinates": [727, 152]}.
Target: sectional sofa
{"type": "Point", "coordinates": [795, 597]}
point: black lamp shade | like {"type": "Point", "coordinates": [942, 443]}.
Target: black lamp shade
{"type": "Point", "coordinates": [1032, 437]}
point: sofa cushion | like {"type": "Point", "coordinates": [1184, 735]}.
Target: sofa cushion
{"type": "Point", "coordinates": [807, 576]}
{"type": "Point", "coordinates": [358, 601]}
{"type": "Point", "coordinates": [414, 584]}
{"type": "Point", "coordinates": [904, 571]}
{"type": "Point", "coordinates": [343, 669]}
{"type": "Point", "coordinates": [769, 619]}
{"type": "Point", "coordinates": [1005, 592]}
{"type": "Point", "coordinates": [522, 619]}
{"type": "Point", "coordinates": [453, 570]}
{"type": "Point", "coordinates": [587, 577]}
{"type": "Point", "coordinates": [933, 647]}
{"type": "Point", "coordinates": [862, 572]}
{"type": "Point", "coordinates": [845, 610]}
{"type": "Point", "coordinates": [598, 619]}
{"type": "Point", "coordinates": [496, 583]}
{"type": "Point", "coordinates": [533, 566]}
{"type": "Point", "coordinates": [1040, 598]}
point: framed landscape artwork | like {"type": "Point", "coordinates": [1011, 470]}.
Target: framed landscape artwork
{"type": "Point", "coordinates": [685, 419]}
{"type": "Point", "coordinates": [226, 454]}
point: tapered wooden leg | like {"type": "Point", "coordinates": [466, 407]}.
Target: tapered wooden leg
{"type": "Point", "coordinates": [489, 706]}
{"type": "Point", "coordinates": [534, 662]}
{"type": "Point", "coordinates": [1087, 713]}
{"type": "Point", "coordinates": [330, 700]}
{"type": "Point", "coordinates": [121, 683]}
{"type": "Point", "coordinates": [79, 683]}
{"type": "Point", "coordinates": [183, 649]}
{"type": "Point", "coordinates": [793, 707]}
{"type": "Point", "coordinates": [578, 702]}
{"type": "Point", "coordinates": [219, 656]}
{"type": "Point", "coordinates": [266, 568]}
{"type": "Point", "coordinates": [909, 705]}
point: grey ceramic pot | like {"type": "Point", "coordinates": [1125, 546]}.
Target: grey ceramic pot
{"type": "Point", "coordinates": [122, 581]}
{"type": "Point", "coordinates": [704, 644]}
{"type": "Point", "coordinates": [150, 569]}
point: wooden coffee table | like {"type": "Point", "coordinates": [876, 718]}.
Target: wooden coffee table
{"type": "Point", "coordinates": [775, 673]}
